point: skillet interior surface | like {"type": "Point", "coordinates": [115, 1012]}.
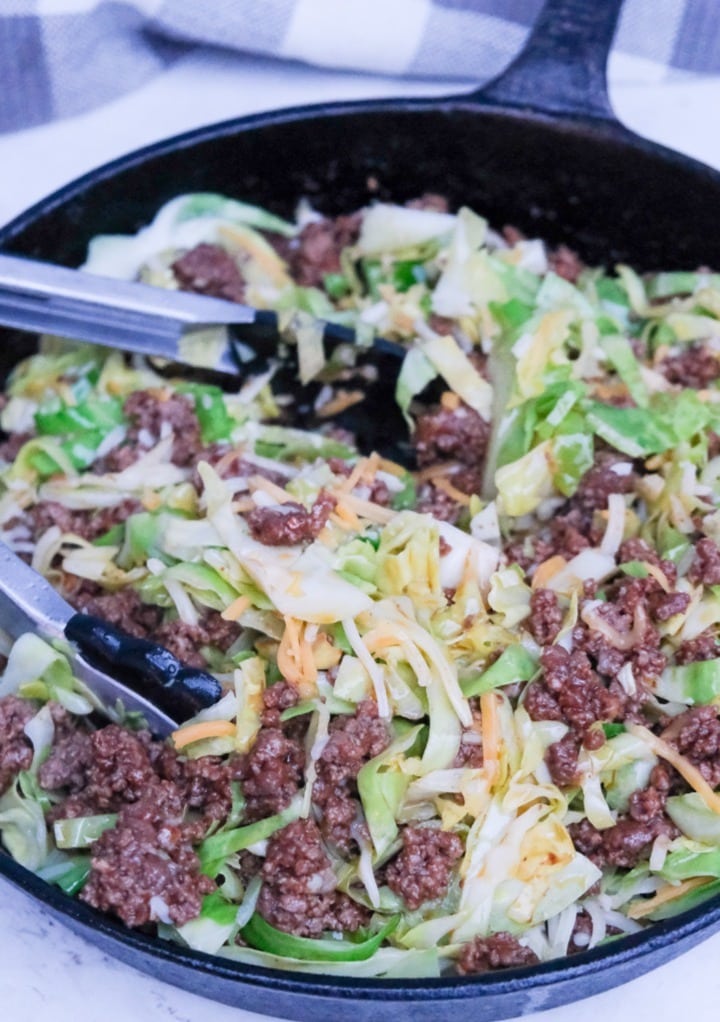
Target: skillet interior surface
{"type": "Point", "coordinates": [585, 182]}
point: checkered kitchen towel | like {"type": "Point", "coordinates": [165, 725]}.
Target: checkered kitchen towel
{"type": "Point", "coordinates": [60, 57]}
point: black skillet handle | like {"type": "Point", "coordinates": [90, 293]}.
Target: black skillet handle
{"type": "Point", "coordinates": [150, 669]}
{"type": "Point", "coordinates": [562, 68]}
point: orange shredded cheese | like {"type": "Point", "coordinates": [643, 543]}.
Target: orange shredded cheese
{"type": "Point", "coordinates": [668, 893]}
{"type": "Point", "coordinates": [243, 505]}
{"type": "Point", "coordinates": [236, 608]}
{"type": "Point", "coordinates": [272, 489]}
{"type": "Point", "coordinates": [365, 508]}
{"type": "Point", "coordinates": [227, 459]}
{"type": "Point", "coordinates": [450, 400]}
{"type": "Point", "coordinates": [546, 569]}
{"type": "Point", "coordinates": [151, 501]}
{"type": "Point", "coordinates": [444, 484]}
{"type": "Point", "coordinates": [433, 471]}
{"type": "Point", "coordinates": [296, 659]}
{"type": "Point", "coordinates": [391, 467]}
{"type": "Point", "coordinates": [346, 517]}
{"type": "Point", "coordinates": [351, 481]}
{"type": "Point", "coordinates": [490, 731]}
{"type": "Point", "coordinates": [683, 766]}
{"type": "Point", "coordinates": [204, 729]}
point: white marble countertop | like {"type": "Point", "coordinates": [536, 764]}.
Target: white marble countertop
{"type": "Point", "coordinates": [46, 971]}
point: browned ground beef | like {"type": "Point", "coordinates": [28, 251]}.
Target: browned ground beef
{"type": "Point", "coordinates": [118, 771]}
{"type": "Point", "coordinates": [422, 870]}
{"type": "Point", "coordinates": [298, 893]}
{"type": "Point", "coordinates": [87, 524]}
{"type": "Point", "coordinates": [705, 567]}
{"type": "Point", "coordinates": [570, 691]}
{"type": "Point", "coordinates": [210, 270]}
{"type": "Point", "coordinates": [626, 599]}
{"type": "Point", "coordinates": [433, 501]}
{"type": "Point", "coordinates": [546, 616]}
{"type": "Point", "coordinates": [695, 366]}
{"type": "Point", "coordinates": [186, 641]}
{"type": "Point", "coordinates": [68, 763]}
{"type": "Point", "coordinates": [147, 855]}
{"type": "Point", "coordinates": [704, 647]}
{"type": "Point", "coordinates": [696, 735]}
{"type": "Point", "coordinates": [16, 751]}
{"type": "Point", "coordinates": [146, 411]}
{"type": "Point", "coordinates": [499, 951]}
{"type": "Point", "coordinates": [626, 844]}
{"type": "Point", "coordinates": [352, 742]}
{"type": "Point", "coordinates": [290, 523]}
{"type": "Point", "coordinates": [123, 608]}
{"type": "Point", "coordinates": [280, 696]}
{"type": "Point", "coordinates": [270, 773]}
{"type": "Point", "coordinates": [562, 760]}
{"type": "Point", "coordinates": [443, 434]}
{"type": "Point", "coordinates": [206, 785]}
{"type": "Point", "coordinates": [316, 250]}
{"type": "Point", "coordinates": [601, 480]}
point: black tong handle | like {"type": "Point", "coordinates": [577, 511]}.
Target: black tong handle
{"type": "Point", "coordinates": [149, 669]}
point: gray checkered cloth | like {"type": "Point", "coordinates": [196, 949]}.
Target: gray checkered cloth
{"type": "Point", "coordinates": [60, 57]}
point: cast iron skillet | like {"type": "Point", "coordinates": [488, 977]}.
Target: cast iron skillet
{"type": "Point", "coordinates": [538, 148]}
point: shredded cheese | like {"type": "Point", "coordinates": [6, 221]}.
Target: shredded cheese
{"type": "Point", "coordinates": [295, 658]}
{"type": "Point", "coordinates": [204, 729]}
{"type": "Point", "coordinates": [364, 508]}
{"type": "Point", "coordinates": [683, 766]}
{"type": "Point", "coordinates": [490, 730]}
{"type": "Point", "coordinates": [236, 609]}
{"type": "Point", "coordinates": [670, 892]}
{"type": "Point", "coordinates": [272, 489]}
{"type": "Point", "coordinates": [546, 569]}
{"type": "Point", "coordinates": [345, 517]}
{"type": "Point", "coordinates": [444, 484]}
{"type": "Point", "coordinates": [431, 473]}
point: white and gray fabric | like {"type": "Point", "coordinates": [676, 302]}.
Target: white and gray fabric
{"type": "Point", "coordinates": [61, 57]}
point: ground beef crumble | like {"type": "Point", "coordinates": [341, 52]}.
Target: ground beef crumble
{"type": "Point", "coordinates": [546, 616]}
{"type": "Point", "coordinates": [705, 567]}
{"type": "Point", "coordinates": [270, 773]}
{"type": "Point", "coordinates": [16, 751]}
{"type": "Point", "coordinates": [422, 870]}
{"type": "Point", "coordinates": [210, 270]}
{"type": "Point", "coordinates": [444, 434]}
{"type": "Point", "coordinates": [298, 893]}
{"type": "Point", "coordinates": [152, 414]}
{"type": "Point", "coordinates": [86, 524]}
{"type": "Point", "coordinates": [499, 951]}
{"type": "Point", "coordinates": [316, 251]}
{"type": "Point", "coordinates": [145, 869]}
{"type": "Point", "coordinates": [351, 743]}
{"type": "Point", "coordinates": [695, 366]}
{"type": "Point", "coordinates": [625, 844]}
{"type": "Point", "coordinates": [696, 735]}
{"type": "Point", "coordinates": [290, 523]}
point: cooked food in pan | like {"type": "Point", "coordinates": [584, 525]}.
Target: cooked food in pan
{"type": "Point", "coordinates": [470, 717]}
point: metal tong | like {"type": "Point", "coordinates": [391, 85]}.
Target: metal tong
{"type": "Point", "coordinates": [144, 677]}
{"type": "Point", "coordinates": [173, 325]}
